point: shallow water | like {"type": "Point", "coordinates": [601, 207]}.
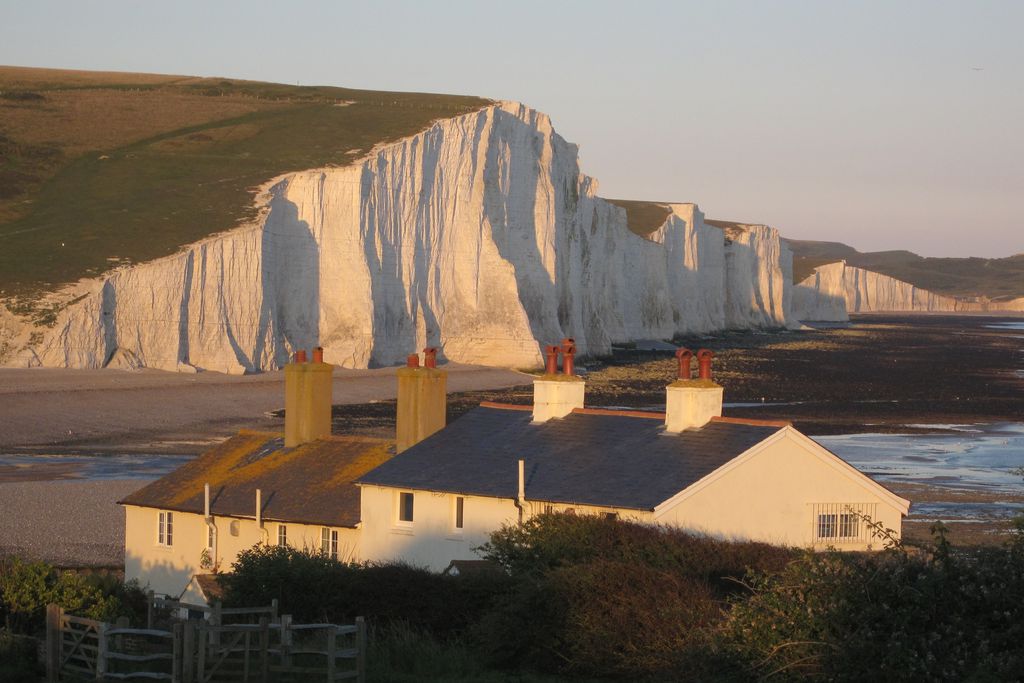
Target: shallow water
{"type": "Point", "coordinates": [91, 467]}
{"type": "Point", "coordinates": [978, 458]}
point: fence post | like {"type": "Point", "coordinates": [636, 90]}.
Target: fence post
{"type": "Point", "coordinates": [215, 620]}
{"type": "Point", "coordinates": [286, 640]}
{"type": "Point", "coordinates": [360, 649]}
{"type": "Point", "coordinates": [332, 657]}
{"type": "Point", "coordinates": [188, 651]}
{"type": "Point", "coordinates": [201, 652]}
{"type": "Point", "coordinates": [149, 608]}
{"type": "Point", "coordinates": [101, 651]}
{"type": "Point", "coordinates": [53, 638]}
{"type": "Point", "coordinates": [273, 610]}
{"type": "Point", "coordinates": [176, 653]}
{"type": "Point", "coordinates": [265, 648]}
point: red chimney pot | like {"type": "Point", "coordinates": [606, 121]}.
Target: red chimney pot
{"type": "Point", "coordinates": [430, 357]}
{"type": "Point", "coordinates": [318, 354]}
{"type": "Point", "coordinates": [684, 355]}
{"type": "Point", "coordinates": [568, 354]}
{"type": "Point", "coordinates": [300, 356]}
{"type": "Point", "coordinates": [551, 354]}
{"type": "Point", "coordinates": [704, 357]}
{"type": "Point", "coordinates": [412, 360]}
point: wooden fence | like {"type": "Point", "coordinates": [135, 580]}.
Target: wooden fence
{"type": "Point", "coordinates": [197, 651]}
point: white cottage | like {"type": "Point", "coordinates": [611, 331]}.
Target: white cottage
{"type": "Point", "coordinates": [448, 487]}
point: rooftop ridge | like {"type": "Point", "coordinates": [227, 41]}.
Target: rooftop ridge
{"type": "Point", "coordinates": [621, 413]}
{"type": "Point", "coordinates": [505, 406]}
{"type": "Point", "coordinates": [752, 422]}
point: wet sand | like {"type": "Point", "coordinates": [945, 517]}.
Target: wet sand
{"type": "Point", "coordinates": [895, 374]}
{"type": "Point", "coordinates": [148, 411]}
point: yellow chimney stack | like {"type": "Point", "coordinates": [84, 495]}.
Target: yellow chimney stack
{"type": "Point", "coordinates": [422, 400]}
{"type": "Point", "coordinates": [307, 399]}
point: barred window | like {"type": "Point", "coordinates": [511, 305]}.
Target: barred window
{"type": "Point", "coordinates": [838, 523]}
{"type": "Point", "coordinates": [282, 534]}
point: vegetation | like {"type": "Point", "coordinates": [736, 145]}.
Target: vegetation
{"type": "Point", "coordinates": [1001, 278]}
{"type": "Point", "coordinates": [588, 598]}
{"type": "Point", "coordinates": [150, 163]}
{"type": "Point", "coordinates": [643, 218]}
{"type": "Point", "coordinates": [26, 588]}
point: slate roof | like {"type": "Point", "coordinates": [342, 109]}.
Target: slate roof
{"type": "Point", "coordinates": [311, 483]}
{"type": "Point", "coordinates": [600, 458]}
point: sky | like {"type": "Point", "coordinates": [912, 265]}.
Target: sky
{"type": "Point", "coordinates": [883, 125]}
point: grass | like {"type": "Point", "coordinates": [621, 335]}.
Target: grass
{"type": "Point", "coordinates": [643, 218]}
{"type": "Point", "coordinates": [1001, 278]}
{"type": "Point", "coordinates": [144, 164]}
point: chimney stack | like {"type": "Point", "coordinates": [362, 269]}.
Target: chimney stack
{"type": "Point", "coordinates": [554, 394]}
{"type": "Point", "coordinates": [691, 403]}
{"type": "Point", "coordinates": [422, 399]}
{"type": "Point", "coordinates": [307, 399]}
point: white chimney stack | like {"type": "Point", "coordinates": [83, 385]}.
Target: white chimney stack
{"type": "Point", "coordinates": [691, 403]}
{"type": "Point", "coordinates": [556, 395]}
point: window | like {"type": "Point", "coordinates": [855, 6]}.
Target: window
{"type": "Point", "coordinates": [329, 542]}
{"type": "Point", "coordinates": [209, 536]}
{"type": "Point", "coordinates": [838, 523]}
{"type": "Point", "coordinates": [548, 508]}
{"type": "Point", "coordinates": [460, 504]}
{"type": "Point", "coordinates": [282, 534]}
{"type": "Point", "coordinates": [611, 516]}
{"type": "Point", "coordinates": [826, 526]}
{"type": "Point", "coordinates": [165, 529]}
{"type": "Point", "coordinates": [405, 501]}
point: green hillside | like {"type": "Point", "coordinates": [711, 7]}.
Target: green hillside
{"type": "Point", "coordinates": [995, 278]}
{"type": "Point", "coordinates": [99, 169]}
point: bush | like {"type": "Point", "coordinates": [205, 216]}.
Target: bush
{"type": "Point", "coordinates": [18, 660]}
{"type": "Point", "coordinates": [894, 615]}
{"type": "Point", "coordinates": [26, 588]}
{"type": "Point", "coordinates": [550, 541]}
{"type": "Point", "coordinates": [314, 588]}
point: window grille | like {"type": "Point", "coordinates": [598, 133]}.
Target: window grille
{"type": "Point", "coordinates": [842, 523]}
{"type": "Point", "coordinates": [282, 534]}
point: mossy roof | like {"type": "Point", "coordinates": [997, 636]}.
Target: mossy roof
{"type": "Point", "coordinates": [311, 483]}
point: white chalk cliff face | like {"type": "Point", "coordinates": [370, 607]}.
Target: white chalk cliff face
{"type": "Point", "coordinates": [479, 235]}
{"type": "Point", "coordinates": [834, 290]}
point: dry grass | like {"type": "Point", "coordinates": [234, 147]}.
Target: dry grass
{"type": "Point", "coordinates": [643, 218]}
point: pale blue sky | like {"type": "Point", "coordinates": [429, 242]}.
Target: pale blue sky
{"type": "Point", "coordinates": [862, 122]}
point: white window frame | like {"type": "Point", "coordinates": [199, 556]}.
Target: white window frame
{"type": "Point", "coordinates": [282, 534]}
{"type": "Point", "coordinates": [165, 529]}
{"type": "Point", "coordinates": [400, 508]}
{"type": "Point", "coordinates": [211, 536]}
{"type": "Point", "coordinates": [329, 542]}
{"type": "Point", "coordinates": [458, 514]}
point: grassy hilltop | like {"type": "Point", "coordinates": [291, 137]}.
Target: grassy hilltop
{"type": "Point", "coordinates": [1000, 278]}
{"type": "Point", "coordinates": [99, 169]}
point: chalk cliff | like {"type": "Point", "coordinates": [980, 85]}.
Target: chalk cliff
{"type": "Point", "coordinates": [835, 290]}
{"type": "Point", "coordinates": [479, 235]}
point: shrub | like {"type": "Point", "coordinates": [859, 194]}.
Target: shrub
{"type": "Point", "coordinates": [18, 660]}
{"type": "Point", "coordinates": [313, 587]}
{"type": "Point", "coordinates": [893, 615]}
{"type": "Point", "coordinates": [549, 541]}
{"type": "Point", "coordinates": [26, 588]}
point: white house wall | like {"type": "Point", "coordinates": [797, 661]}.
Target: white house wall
{"type": "Point", "coordinates": [769, 497]}
{"type": "Point", "coordinates": [168, 570]}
